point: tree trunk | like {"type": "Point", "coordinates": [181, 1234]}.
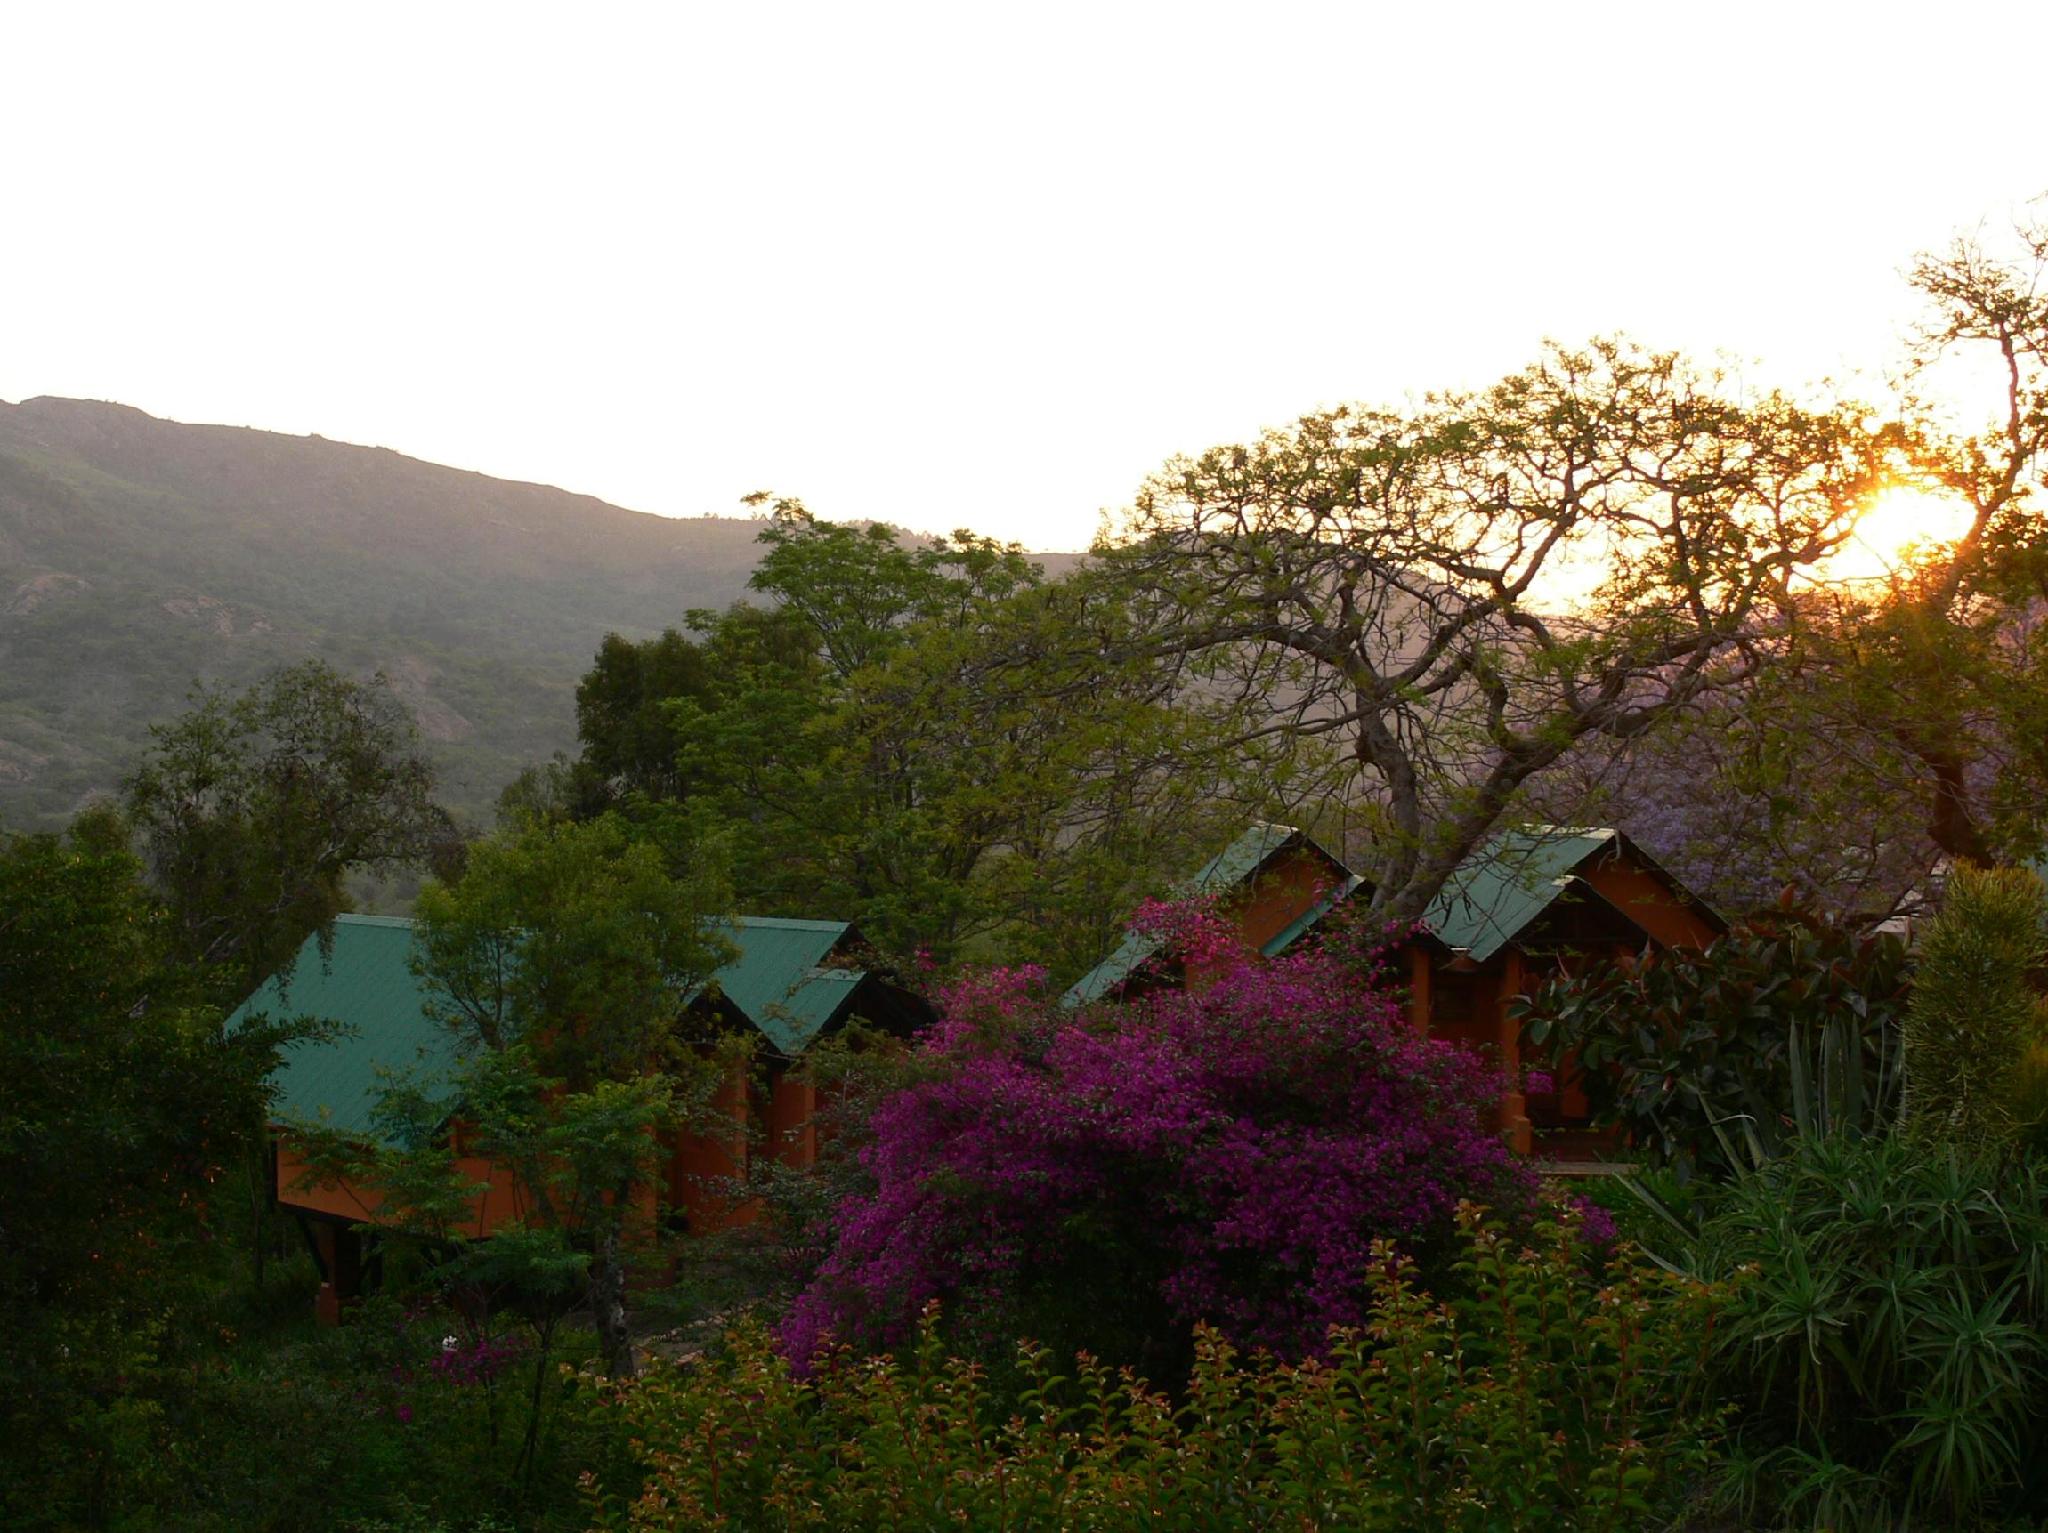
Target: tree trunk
{"type": "Point", "coordinates": [608, 1299]}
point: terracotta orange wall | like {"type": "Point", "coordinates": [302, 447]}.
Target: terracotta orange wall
{"type": "Point", "coordinates": [699, 1161]}
{"type": "Point", "coordinates": [502, 1200]}
{"type": "Point", "coordinates": [691, 1166]}
{"type": "Point", "coordinates": [1282, 895]}
{"type": "Point", "coordinates": [1649, 903]}
{"type": "Point", "coordinates": [1278, 897]}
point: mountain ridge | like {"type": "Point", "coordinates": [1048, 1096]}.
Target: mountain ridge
{"type": "Point", "coordinates": [138, 555]}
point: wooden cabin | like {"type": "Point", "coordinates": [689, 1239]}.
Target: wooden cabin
{"type": "Point", "coordinates": [791, 981]}
{"type": "Point", "coordinates": [1533, 902]}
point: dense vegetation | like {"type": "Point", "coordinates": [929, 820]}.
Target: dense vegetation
{"type": "Point", "coordinates": [1234, 1251]}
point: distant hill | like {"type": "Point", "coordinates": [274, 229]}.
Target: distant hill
{"type": "Point", "coordinates": [138, 554]}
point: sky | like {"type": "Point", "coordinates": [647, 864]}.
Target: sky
{"type": "Point", "coordinates": [959, 265]}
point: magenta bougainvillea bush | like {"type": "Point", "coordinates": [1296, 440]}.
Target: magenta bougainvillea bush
{"type": "Point", "coordinates": [1227, 1152]}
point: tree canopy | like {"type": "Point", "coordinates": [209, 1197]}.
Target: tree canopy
{"type": "Point", "coordinates": [1462, 592]}
{"type": "Point", "coordinates": [253, 808]}
{"type": "Point", "coordinates": [925, 736]}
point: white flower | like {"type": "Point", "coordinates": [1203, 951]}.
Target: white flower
{"type": "Point", "coordinates": [450, 1343]}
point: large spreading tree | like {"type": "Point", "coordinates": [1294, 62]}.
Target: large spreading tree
{"type": "Point", "coordinates": [1462, 593]}
{"type": "Point", "coordinates": [1941, 677]}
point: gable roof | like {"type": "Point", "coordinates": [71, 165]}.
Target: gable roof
{"type": "Point", "coordinates": [1498, 892]}
{"type": "Point", "coordinates": [1236, 865]}
{"type": "Point", "coordinates": [364, 981]}
{"type": "Point", "coordinates": [1491, 898]}
{"type": "Point", "coordinates": [780, 982]}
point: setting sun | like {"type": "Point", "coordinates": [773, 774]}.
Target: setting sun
{"type": "Point", "coordinates": [1898, 525]}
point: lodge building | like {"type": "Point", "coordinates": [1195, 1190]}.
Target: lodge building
{"type": "Point", "coordinates": [1534, 902]}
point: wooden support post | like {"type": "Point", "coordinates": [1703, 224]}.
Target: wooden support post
{"type": "Point", "coordinates": [1419, 989]}
{"type": "Point", "coordinates": [339, 1251]}
{"type": "Point", "coordinates": [792, 1133]}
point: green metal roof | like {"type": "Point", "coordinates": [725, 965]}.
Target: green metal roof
{"type": "Point", "coordinates": [1242, 858]}
{"type": "Point", "coordinates": [780, 983]}
{"type": "Point", "coordinates": [1236, 864]}
{"type": "Point", "coordinates": [365, 982]}
{"type": "Point", "coordinates": [1495, 893]}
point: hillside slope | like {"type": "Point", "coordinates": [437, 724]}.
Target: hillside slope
{"type": "Point", "coordinates": [137, 555]}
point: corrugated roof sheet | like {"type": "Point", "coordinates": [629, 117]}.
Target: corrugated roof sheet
{"type": "Point", "coordinates": [1242, 858]}
{"type": "Point", "coordinates": [1508, 883]}
{"type": "Point", "coordinates": [365, 982]}
{"type": "Point", "coordinates": [780, 982]}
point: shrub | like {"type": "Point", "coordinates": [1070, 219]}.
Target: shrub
{"type": "Point", "coordinates": [1972, 1020]}
{"type": "Point", "coordinates": [1538, 1398]}
{"type": "Point", "coordinates": [1105, 1180]}
{"type": "Point", "coordinates": [1711, 1062]}
{"type": "Point", "coordinates": [1888, 1351]}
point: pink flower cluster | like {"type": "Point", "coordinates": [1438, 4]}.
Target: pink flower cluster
{"type": "Point", "coordinates": [1234, 1149]}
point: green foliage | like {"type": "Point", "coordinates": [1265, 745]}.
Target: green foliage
{"type": "Point", "coordinates": [578, 940]}
{"type": "Point", "coordinates": [252, 809]}
{"type": "Point", "coordinates": [2030, 1093]}
{"type": "Point", "coordinates": [377, 1427]}
{"type": "Point", "coordinates": [1538, 1396]}
{"type": "Point", "coordinates": [1887, 1350]}
{"type": "Point", "coordinates": [1936, 684]}
{"type": "Point", "coordinates": [625, 702]}
{"type": "Point", "coordinates": [923, 736]}
{"type": "Point", "coordinates": [1972, 1020]}
{"type": "Point", "coordinates": [561, 960]}
{"type": "Point", "coordinates": [121, 1106]}
{"type": "Point", "coordinates": [1712, 1062]}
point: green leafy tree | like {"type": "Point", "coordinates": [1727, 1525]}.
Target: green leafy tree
{"type": "Point", "coordinates": [925, 736]}
{"type": "Point", "coordinates": [561, 961]}
{"type": "Point", "coordinates": [253, 809]}
{"type": "Point", "coordinates": [1936, 683]}
{"type": "Point", "coordinates": [121, 1102]}
{"type": "Point", "coordinates": [859, 587]}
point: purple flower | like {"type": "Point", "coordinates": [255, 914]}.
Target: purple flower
{"type": "Point", "coordinates": [1252, 1138]}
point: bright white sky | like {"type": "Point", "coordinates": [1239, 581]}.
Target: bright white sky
{"type": "Point", "coordinates": [957, 264]}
